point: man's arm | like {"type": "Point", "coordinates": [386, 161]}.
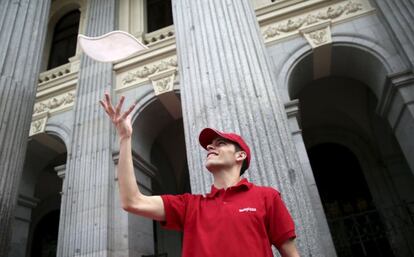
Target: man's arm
{"type": "Point", "coordinates": [288, 249]}
{"type": "Point", "coordinates": [132, 199]}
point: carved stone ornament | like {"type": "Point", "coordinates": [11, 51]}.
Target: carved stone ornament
{"type": "Point", "coordinates": [163, 82]}
{"type": "Point", "coordinates": [335, 12]}
{"type": "Point", "coordinates": [317, 34]}
{"type": "Point", "coordinates": [38, 125]}
{"type": "Point", "coordinates": [56, 102]}
{"type": "Point", "coordinates": [148, 70]}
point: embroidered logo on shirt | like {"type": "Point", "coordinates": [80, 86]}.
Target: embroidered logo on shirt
{"type": "Point", "coordinates": [248, 209]}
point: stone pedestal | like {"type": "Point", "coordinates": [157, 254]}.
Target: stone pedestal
{"type": "Point", "coordinates": [226, 83]}
{"type": "Point", "coordinates": [22, 34]}
{"type": "Point", "coordinates": [87, 212]}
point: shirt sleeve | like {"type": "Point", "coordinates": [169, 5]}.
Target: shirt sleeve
{"type": "Point", "coordinates": [175, 207]}
{"type": "Point", "coordinates": [280, 223]}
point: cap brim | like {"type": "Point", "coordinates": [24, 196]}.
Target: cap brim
{"type": "Point", "coordinates": [207, 136]}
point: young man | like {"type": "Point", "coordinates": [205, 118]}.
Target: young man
{"type": "Point", "coordinates": [237, 218]}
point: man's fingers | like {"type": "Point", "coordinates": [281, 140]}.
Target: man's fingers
{"type": "Point", "coordinates": [103, 104]}
{"type": "Point", "coordinates": [129, 111]}
{"type": "Point", "coordinates": [119, 106]}
{"type": "Point", "coordinates": [110, 108]}
{"type": "Point", "coordinates": [105, 107]}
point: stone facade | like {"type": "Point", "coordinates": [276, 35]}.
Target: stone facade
{"type": "Point", "coordinates": [289, 75]}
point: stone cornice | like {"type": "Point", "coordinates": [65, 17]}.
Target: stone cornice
{"type": "Point", "coordinates": [281, 26]}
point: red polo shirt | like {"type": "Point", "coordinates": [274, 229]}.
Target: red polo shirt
{"type": "Point", "coordinates": [244, 220]}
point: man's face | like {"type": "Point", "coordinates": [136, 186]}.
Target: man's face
{"type": "Point", "coordinates": [221, 154]}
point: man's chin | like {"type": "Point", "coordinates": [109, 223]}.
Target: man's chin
{"type": "Point", "coordinates": [212, 167]}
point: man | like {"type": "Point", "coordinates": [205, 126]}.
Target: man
{"type": "Point", "coordinates": [237, 218]}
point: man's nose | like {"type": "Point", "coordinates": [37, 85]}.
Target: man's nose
{"type": "Point", "coordinates": [210, 147]}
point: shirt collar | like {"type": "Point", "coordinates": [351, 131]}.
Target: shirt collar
{"type": "Point", "coordinates": [242, 184]}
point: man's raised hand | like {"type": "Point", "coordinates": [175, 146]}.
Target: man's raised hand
{"type": "Point", "coordinates": [122, 121]}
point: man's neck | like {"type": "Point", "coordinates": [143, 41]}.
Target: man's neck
{"type": "Point", "coordinates": [226, 179]}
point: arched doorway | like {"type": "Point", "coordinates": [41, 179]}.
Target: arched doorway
{"type": "Point", "coordinates": [35, 230]}
{"type": "Point", "coordinates": [353, 219]}
{"type": "Point", "coordinates": [341, 109]}
{"type": "Point", "coordinates": [158, 140]}
{"type": "Point", "coordinates": [45, 235]}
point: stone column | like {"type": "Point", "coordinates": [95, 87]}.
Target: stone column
{"type": "Point", "coordinates": [399, 16]}
{"type": "Point", "coordinates": [133, 17]}
{"type": "Point", "coordinates": [87, 198]}
{"type": "Point", "coordinates": [226, 83]}
{"type": "Point", "coordinates": [397, 106]}
{"type": "Point", "coordinates": [22, 35]}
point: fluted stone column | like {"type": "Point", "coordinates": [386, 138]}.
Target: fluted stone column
{"type": "Point", "coordinates": [22, 32]}
{"type": "Point", "coordinates": [226, 83]}
{"type": "Point", "coordinates": [87, 200]}
{"type": "Point", "coordinates": [400, 17]}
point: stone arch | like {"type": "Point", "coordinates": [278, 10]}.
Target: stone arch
{"type": "Point", "coordinates": [41, 183]}
{"type": "Point", "coordinates": [379, 57]}
{"type": "Point", "coordinates": [61, 131]}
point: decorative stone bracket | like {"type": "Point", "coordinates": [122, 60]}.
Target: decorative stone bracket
{"type": "Point", "coordinates": [319, 37]}
{"type": "Point", "coordinates": [38, 123]}
{"type": "Point", "coordinates": [163, 83]}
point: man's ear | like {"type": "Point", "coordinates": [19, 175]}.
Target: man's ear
{"type": "Point", "coordinates": [241, 155]}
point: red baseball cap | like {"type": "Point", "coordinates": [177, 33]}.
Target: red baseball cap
{"type": "Point", "coordinates": [207, 136]}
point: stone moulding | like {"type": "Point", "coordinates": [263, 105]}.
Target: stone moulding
{"type": "Point", "coordinates": [50, 106]}
{"type": "Point", "coordinates": [142, 74]}
{"type": "Point", "coordinates": [55, 104]}
{"type": "Point", "coordinates": [338, 12]}
{"type": "Point", "coordinates": [55, 73]}
{"type": "Point", "coordinates": [159, 35]}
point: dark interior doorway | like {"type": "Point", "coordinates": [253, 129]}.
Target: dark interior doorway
{"type": "Point", "coordinates": [356, 226]}
{"type": "Point", "coordinates": [45, 236]}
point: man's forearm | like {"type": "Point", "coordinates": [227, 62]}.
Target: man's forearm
{"type": "Point", "coordinates": [288, 249]}
{"type": "Point", "coordinates": [128, 188]}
